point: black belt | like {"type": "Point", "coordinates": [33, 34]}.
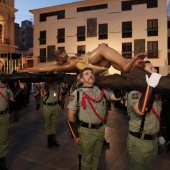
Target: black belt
{"type": "Point", "coordinates": [50, 104]}
{"type": "Point", "coordinates": [91, 126]}
{"type": "Point", "coordinates": [146, 136]}
{"type": "Point", "coordinates": [2, 112]}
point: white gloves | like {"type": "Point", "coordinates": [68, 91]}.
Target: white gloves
{"type": "Point", "coordinates": [153, 80]}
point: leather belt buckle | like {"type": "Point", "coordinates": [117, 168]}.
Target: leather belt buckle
{"type": "Point", "coordinates": [90, 126]}
{"type": "Point", "coordinates": [145, 137]}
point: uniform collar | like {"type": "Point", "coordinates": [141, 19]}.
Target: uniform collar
{"type": "Point", "coordinates": [84, 88]}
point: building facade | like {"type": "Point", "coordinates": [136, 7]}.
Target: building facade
{"type": "Point", "coordinates": [7, 43]}
{"type": "Point", "coordinates": [128, 26]}
{"type": "Point", "coordinates": [24, 41]}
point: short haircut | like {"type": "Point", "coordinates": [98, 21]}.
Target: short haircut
{"type": "Point", "coordinates": [147, 61]}
{"type": "Point", "coordinates": [82, 71]}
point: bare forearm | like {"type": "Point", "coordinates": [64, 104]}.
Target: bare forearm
{"type": "Point", "coordinates": [135, 108]}
{"type": "Point", "coordinates": [71, 115]}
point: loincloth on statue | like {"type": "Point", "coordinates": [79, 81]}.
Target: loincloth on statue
{"type": "Point", "coordinates": [83, 62]}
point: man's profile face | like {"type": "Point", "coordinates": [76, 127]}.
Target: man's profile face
{"type": "Point", "coordinates": [150, 68]}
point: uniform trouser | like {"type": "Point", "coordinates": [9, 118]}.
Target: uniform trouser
{"type": "Point", "coordinates": [92, 142]}
{"type": "Point", "coordinates": [4, 126]}
{"type": "Point", "coordinates": [38, 101]}
{"type": "Point", "coordinates": [51, 115]}
{"type": "Point", "coordinates": [142, 152]}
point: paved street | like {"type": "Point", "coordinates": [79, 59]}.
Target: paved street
{"type": "Point", "coordinates": [28, 150]}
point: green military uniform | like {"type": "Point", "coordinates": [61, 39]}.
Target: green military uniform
{"type": "Point", "coordinates": [143, 150]}
{"type": "Point", "coordinates": [91, 127]}
{"type": "Point", "coordinates": [5, 94]}
{"type": "Point", "coordinates": [51, 111]}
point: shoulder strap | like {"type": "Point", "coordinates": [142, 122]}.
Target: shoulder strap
{"type": "Point", "coordinates": [1, 94]}
{"type": "Point", "coordinates": [156, 114]}
{"type": "Point", "coordinates": [45, 88]}
{"type": "Point", "coordinates": [78, 98]}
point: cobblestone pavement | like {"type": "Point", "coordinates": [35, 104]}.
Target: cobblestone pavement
{"type": "Point", "coordinates": [28, 150]}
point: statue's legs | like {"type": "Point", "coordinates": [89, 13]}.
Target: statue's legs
{"type": "Point", "coordinates": [116, 60]}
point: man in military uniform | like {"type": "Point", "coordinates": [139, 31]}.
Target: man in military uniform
{"type": "Point", "coordinates": [5, 95]}
{"type": "Point", "coordinates": [51, 97]}
{"type": "Point", "coordinates": [89, 134]}
{"type": "Point", "coordinates": [144, 123]}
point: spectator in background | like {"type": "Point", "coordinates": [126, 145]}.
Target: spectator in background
{"type": "Point", "coordinates": [37, 95]}
{"type": "Point", "coordinates": [64, 91]}
{"type": "Point", "coordinates": [29, 85]}
{"type": "Point", "coordinates": [15, 106]}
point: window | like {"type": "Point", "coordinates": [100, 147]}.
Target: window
{"type": "Point", "coordinates": [152, 47]}
{"type": "Point", "coordinates": [42, 37]}
{"type": "Point", "coordinates": [23, 32]}
{"type": "Point", "coordinates": [126, 29]}
{"type": "Point", "coordinates": [80, 49]}
{"type": "Point", "coordinates": [152, 3]}
{"type": "Point", "coordinates": [152, 27]}
{"type": "Point", "coordinates": [103, 31]}
{"type": "Point", "coordinates": [42, 55]}
{"type": "Point", "coordinates": [43, 17]}
{"type": "Point", "coordinates": [1, 30]}
{"type": "Point", "coordinates": [126, 5]}
{"type": "Point", "coordinates": [61, 14]}
{"type": "Point", "coordinates": [168, 58]}
{"type": "Point", "coordinates": [168, 42]}
{"type": "Point", "coordinates": [62, 48]}
{"type": "Point", "coordinates": [168, 24]}
{"type": "Point", "coordinates": [90, 8]}
{"type": "Point", "coordinates": [23, 40]}
{"type": "Point", "coordinates": [61, 35]}
{"type": "Point", "coordinates": [127, 50]}
{"type": "Point", "coordinates": [50, 53]}
{"type": "Point", "coordinates": [81, 33]}
{"type": "Point", "coordinates": [136, 2]}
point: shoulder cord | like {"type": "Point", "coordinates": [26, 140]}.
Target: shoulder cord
{"type": "Point", "coordinates": [52, 85]}
{"type": "Point", "coordinates": [3, 94]}
{"type": "Point", "coordinates": [43, 89]}
{"type": "Point", "coordinates": [89, 99]}
{"type": "Point", "coordinates": [48, 91]}
{"type": "Point", "coordinates": [57, 91]}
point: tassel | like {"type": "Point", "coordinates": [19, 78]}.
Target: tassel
{"type": "Point", "coordinates": [83, 102]}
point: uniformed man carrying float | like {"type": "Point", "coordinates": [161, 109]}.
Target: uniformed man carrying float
{"type": "Point", "coordinates": [6, 95]}
{"type": "Point", "coordinates": [144, 122]}
{"type": "Point", "coordinates": [89, 133]}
